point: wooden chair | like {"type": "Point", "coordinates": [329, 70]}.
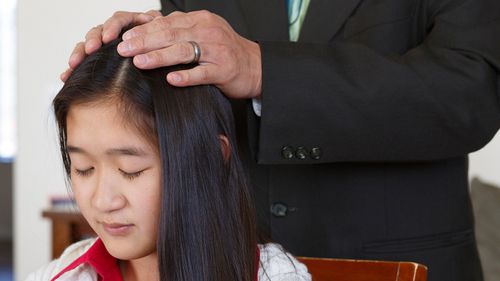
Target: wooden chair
{"type": "Point", "coordinates": [323, 269]}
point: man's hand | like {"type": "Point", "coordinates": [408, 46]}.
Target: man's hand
{"type": "Point", "coordinates": [227, 60]}
{"type": "Point", "coordinates": [104, 33]}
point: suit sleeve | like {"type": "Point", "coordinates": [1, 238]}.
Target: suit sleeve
{"type": "Point", "coordinates": [168, 6]}
{"type": "Point", "coordinates": [437, 100]}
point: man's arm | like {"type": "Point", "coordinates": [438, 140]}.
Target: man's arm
{"type": "Point", "coordinates": [439, 99]}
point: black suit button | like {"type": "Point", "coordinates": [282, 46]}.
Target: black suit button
{"type": "Point", "coordinates": [279, 210]}
{"type": "Point", "coordinates": [301, 153]}
{"type": "Point", "coordinates": [316, 153]}
{"type": "Point", "coordinates": [287, 152]}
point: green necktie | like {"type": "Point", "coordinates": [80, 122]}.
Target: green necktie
{"type": "Point", "coordinates": [297, 10]}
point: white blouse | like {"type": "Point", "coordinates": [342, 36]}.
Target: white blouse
{"type": "Point", "coordinates": [275, 265]}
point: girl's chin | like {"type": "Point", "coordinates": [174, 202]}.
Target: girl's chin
{"type": "Point", "coordinates": [128, 250]}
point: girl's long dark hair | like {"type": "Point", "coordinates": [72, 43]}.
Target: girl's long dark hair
{"type": "Point", "coordinates": [207, 223]}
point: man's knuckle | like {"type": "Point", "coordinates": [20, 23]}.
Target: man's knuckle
{"type": "Point", "coordinates": [118, 14]}
{"type": "Point", "coordinates": [174, 34]}
{"type": "Point", "coordinates": [216, 33]}
{"type": "Point", "coordinates": [204, 75]}
{"type": "Point", "coordinates": [162, 22]}
{"type": "Point", "coordinates": [170, 35]}
{"type": "Point", "coordinates": [176, 13]}
{"type": "Point", "coordinates": [139, 42]}
{"type": "Point", "coordinates": [156, 23]}
{"type": "Point", "coordinates": [205, 15]}
{"type": "Point", "coordinates": [154, 58]}
{"type": "Point", "coordinates": [186, 51]}
{"type": "Point", "coordinates": [151, 12]}
{"type": "Point", "coordinates": [90, 33]}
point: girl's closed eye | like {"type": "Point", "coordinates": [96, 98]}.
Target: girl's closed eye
{"type": "Point", "coordinates": [131, 175]}
{"type": "Point", "coordinates": [84, 172]}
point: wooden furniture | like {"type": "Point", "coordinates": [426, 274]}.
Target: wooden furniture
{"type": "Point", "coordinates": [68, 227]}
{"type": "Point", "coordinates": [362, 270]}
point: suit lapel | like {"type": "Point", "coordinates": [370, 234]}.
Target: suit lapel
{"type": "Point", "coordinates": [266, 19]}
{"type": "Point", "coordinates": [324, 19]}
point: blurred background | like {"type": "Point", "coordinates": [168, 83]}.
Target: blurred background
{"type": "Point", "coordinates": [36, 39]}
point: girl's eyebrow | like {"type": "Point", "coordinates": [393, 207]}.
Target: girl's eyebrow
{"type": "Point", "coordinates": [127, 151]}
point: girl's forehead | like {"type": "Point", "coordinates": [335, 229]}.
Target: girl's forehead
{"type": "Point", "coordinates": [101, 123]}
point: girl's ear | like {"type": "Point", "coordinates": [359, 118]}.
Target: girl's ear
{"type": "Point", "coordinates": [225, 147]}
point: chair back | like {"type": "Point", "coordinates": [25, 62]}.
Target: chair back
{"type": "Point", "coordinates": [323, 269]}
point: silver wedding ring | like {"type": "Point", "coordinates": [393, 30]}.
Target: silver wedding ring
{"type": "Point", "coordinates": [197, 52]}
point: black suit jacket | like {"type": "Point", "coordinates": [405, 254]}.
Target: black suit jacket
{"type": "Point", "coordinates": [393, 95]}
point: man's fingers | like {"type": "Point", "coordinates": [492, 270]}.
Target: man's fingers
{"type": "Point", "coordinates": [65, 75]}
{"type": "Point", "coordinates": [114, 25]}
{"type": "Point", "coordinates": [93, 39]}
{"type": "Point", "coordinates": [154, 41]}
{"type": "Point", "coordinates": [94, 32]}
{"type": "Point", "coordinates": [173, 20]}
{"type": "Point", "coordinates": [77, 55]}
{"type": "Point", "coordinates": [200, 75]}
{"type": "Point", "coordinates": [154, 13]}
{"type": "Point", "coordinates": [180, 53]}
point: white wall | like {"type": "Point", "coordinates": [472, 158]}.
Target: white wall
{"type": "Point", "coordinates": [47, 32]}
{"type": "Point", "coordinates": [485, 163]}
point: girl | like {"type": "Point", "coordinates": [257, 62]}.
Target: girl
{"type": "Point", "coordinates": [155, 171]}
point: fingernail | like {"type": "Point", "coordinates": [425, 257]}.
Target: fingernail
{"type": "Point", "coordinates": [174, 77]}
{"type": "Point", "coordinates": [125, 47]}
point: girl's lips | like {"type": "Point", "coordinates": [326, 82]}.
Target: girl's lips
{"type": "Point", "coordinates": [117, 229]}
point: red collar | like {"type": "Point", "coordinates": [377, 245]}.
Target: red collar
{"type": "Point", "coordinates": [107, 267]}
{"type": "Point", "coordinates": [99, 258]}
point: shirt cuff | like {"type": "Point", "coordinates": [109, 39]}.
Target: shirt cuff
{"type": "Point", "coordinates": [257, 106]}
